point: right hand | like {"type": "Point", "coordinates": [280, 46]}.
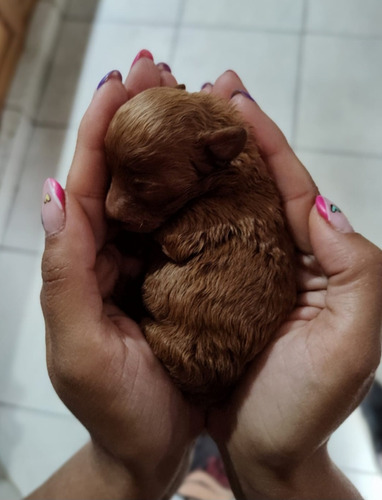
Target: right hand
{"type": "Point", "coordinates": [98, 360]}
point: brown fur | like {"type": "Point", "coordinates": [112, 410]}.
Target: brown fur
{"type": "Point", "coordinates": [185, 168]}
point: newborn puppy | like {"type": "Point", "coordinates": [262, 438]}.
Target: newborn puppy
{"type": "Point", "coordinates": [185, 168]}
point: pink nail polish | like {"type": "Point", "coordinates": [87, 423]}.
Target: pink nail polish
{"type": "Point", "coordinates": [52, 207]}
{"type": "Point", "coordinates": [141, 54]}
{"type": "Point", "coordinates": [331, 213]}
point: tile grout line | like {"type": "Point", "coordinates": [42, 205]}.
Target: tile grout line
{"type": "Point", "coordinates": [20, 251]}
{"type": "Point", "coordinates": [339, 152]}
{"type": "Point", "coordinates": [31, 409]}
{"type": "Point", "coordinates": [299, 71]}
{"type": "Point", "coordinates": [16, 163]}
{"type": "Point", "coordinates": [176, 33]}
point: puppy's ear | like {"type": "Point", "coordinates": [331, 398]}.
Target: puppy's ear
{"type": "Point", "coordinates": [225, 144]}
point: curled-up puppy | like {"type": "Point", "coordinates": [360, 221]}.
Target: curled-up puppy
{"type": "Point", "coordinates": [185, 168]}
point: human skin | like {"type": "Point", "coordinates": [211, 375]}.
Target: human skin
{"type": "Point", "coordinates": [273, 432]}
{"type": "Point", "coordinates": [98, 360]}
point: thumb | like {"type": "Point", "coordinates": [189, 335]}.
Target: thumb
{"type": "Point", "coordinates": [353, 265]}
{"type": "Point", "coordinates": [75, 224]}
{"type": "Point", "coordinates": [69, 292]}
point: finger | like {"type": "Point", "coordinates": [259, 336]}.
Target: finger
{"type": "Point", "coordinates": [70, 297]}
{"type": "Point", "coordinates": [296, 187]}
{"type": "Point", "coordinates": [310, 276]}
{"type": "Point", "coordinates": [166, 77]}
{"type": "Point", "coordinates": [107, 270]}
{"type": "Point", "coordinates": [295, 184]}
{"type": "Point", "coordinates": [307, 281]}
{"type": "Point", "coordinates": [143, 74]}
{"type": "Point", "coordinates": [88, 176]}
{"type": "Point", "coordinates": [351, 321]}
{"type": "Point", "coordinates": [311, 299]}
{"type": "Point", "coordinates": [207, 88]}
{"type": "Point", "coordinates": [226, 84]}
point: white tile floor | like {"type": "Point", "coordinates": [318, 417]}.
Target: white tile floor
{"type": "Point", "coordinates": [314, 66]}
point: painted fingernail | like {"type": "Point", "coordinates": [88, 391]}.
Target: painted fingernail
{"type": "Point", "coordinates": [52, 207]}
{"type": "Point", "coordinates": [164, 67]}
{"type": "Point", "coordinates": [207, 84]}
{"type": "Point", "coordinates": [243, 93]}
{"type": "Point", "coordinates": [233, 72]}
{"type": "Point", "coordinates": [141, 54]}
{"type": "Point", "coordinates": [112, 74]}
{"type": "Point", "coordinates": [332, 214]}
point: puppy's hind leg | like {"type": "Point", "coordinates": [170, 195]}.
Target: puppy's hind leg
{"type": "Point", "coordinates": [176, 350]}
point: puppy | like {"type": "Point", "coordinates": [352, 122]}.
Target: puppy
{"type": "Point", "coordinates": [185, 168]}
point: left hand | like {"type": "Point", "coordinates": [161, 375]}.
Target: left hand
{"type": "Point", "coordinates": [322, 360]}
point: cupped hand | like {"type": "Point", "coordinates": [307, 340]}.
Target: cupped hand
{"type": "Point", "coordinates": [98, 359]}
{"type": "Point", "coordinates": [321, 362]}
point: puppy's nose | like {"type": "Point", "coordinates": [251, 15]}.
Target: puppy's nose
{"type": "Point", "coordinates": [115, 206]}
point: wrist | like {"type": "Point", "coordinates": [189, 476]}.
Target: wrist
{"type": "Point", "coordinates": [135, 480]}
{"type": "Point", "coordinates": [315, 477]}
{"type": "Point", "coordinates": [120, 480]}
{"type": "Point", "coordinates": [115, 479]}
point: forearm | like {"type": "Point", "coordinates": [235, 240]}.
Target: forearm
{"type": "Point", "coordinates": [92, 475]}
{"type": "Point", "coordinates": [317, 478]}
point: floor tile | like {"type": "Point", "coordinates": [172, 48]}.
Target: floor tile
{"type": "Point", "coordinates": [8, 491]}
{"type": "Point", "coordinates": [85, 10]}
{"type": "Point", "coordinates": [350, 447]}
{"type": "Point", "coordinates": [354, 184]}
{"type": "Point", "coordinates": [49, 149]}
{"type": "Point", "coordinates": [36, 54]}
{"type": "Point", "coordinates": [264, 14]}
{"type": "Point", "coordinates": [10, 120]}
{"type": "Point", "coordinates": [341, 101]}
{"type": "Point", "coordinates": [34, 444]}
{"type": "Point", "coordinates": [351, 17]}
{"type": "Point", "coordinates": [12, 170]}
{"type": "Point", "coordinates": [61, 4]}
{"type": "Point", "coordinates": [65, 71]}
{"type": "Point", "coordinates": [378, 374]}
{"type": "Point", "coordinates": [85, 55]}
{"type": "Point", "coordinates": [267, 63]}
{"type": "Point", "coordinates": [24, 379]}
{"type": "Point", "coordinates": [369, 485]}
{"type": "Point", "coordinates": [139, 11]}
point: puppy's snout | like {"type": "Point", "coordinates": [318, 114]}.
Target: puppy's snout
{"type": "Point", "coordinates": [115, 205]}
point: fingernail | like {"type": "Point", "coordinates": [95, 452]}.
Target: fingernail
{"type": "Point", "coordinates": [141, 54]}
{"type": "Point", "coordinates": [243, 93]}
{"type": "Point", "coordinates": [164, 67]}
{"type": "Point", "coordinates": [52, 207]}
{"type": "Point", "coordinates": [207, 84]}
{"type": "Point", "coordinates": [233, 72]}
{"type": "Point", "coordinates": [112, 74]}
{"type": "Point", "coordinates": [332, 214]}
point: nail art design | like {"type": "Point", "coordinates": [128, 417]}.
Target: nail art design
{"type": "Point", "coordinates": [243, 93]}
{"type": "Point", "coordinates": [333, 214]}
{"type": "Point", "coordinates": [112, 74]}
{"type": "Point", "coordinates": [53, 207]}
{"type": "Point", "coordinates": [141, 54]}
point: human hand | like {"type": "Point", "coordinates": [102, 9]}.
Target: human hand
{"type": "Point", "coordinates": [98, 359]}
{"type": "Point", "coordinates": [273, 432]}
